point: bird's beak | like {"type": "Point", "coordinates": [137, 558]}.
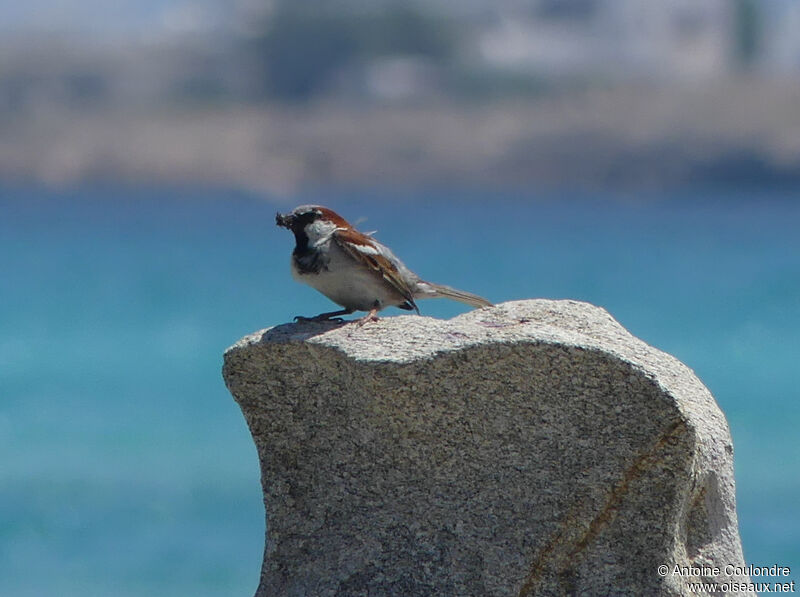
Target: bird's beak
{"type": "Point", "coordinates": [284, 221]}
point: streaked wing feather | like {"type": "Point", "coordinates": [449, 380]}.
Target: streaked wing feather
{"type": "Point", "coordinates": [360, 248]}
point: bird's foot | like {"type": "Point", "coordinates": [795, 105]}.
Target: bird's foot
{"type": "Point", "coordinates": [331, 316]}
{"type": "Point", "coordinates": [371, 316]}
{"type": "Point", "coordinates": [301, 319]}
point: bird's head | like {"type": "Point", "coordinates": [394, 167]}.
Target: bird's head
{"type": "Point", "coordinates": [311, 222]}
{"type": "Point", "coordinates": [298, 217]}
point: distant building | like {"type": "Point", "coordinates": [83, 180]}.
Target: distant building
{"type": "Point", "coordinates": [668, 38]}
{"type": "Point", "coordinates": [779, 51]}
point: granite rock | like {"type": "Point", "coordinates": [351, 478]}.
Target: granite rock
{"type": "Point", "coordinates": [531, 448]}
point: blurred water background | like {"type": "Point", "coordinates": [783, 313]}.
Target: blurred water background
{"type": "Point", "coordinates": [641, 156]}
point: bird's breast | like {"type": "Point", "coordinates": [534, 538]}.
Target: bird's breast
{"type": "Point", "coordinates": [309, 261]}
{"type": "Point", "coordinates": [345, 281]}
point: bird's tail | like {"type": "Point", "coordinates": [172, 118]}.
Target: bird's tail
{"type": "Point", "coordinates": [432, 290]}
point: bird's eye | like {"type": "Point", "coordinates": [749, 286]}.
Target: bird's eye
{"type": "Point", "coordinates": [307, 217]}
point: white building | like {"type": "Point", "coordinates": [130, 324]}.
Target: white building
{"type": "Point", "coordinates": [667, 38]}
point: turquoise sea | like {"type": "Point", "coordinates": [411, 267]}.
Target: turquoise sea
{"type": "Point", "coordinates": [127, 469]}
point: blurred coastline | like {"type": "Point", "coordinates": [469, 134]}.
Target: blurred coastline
{"type": "Point", "coordinates": [277, 96]}
{"type": "Point", "coordinates": [732, 132]}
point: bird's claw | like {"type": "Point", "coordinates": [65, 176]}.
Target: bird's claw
{"type": "Point", "coordinates": [364, 320]}
{"type": "Point", "coordinates": [371, 316]}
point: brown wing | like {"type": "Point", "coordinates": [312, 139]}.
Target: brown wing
{"type": "Point", "coordinates": [361, 248]}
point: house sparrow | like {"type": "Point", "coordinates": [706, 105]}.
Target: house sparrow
{"type": "Point", "coordinates": [353, 269]}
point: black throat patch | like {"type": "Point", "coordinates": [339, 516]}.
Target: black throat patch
{"type": "Point", "coordinates": [307, 260]}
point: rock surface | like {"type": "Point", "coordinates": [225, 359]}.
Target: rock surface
{"type": "Point", "coordinates": [532, 448]}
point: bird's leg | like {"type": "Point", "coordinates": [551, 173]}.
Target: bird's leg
{"type": "Point", "coordinates": [330, 316]}
{"type": "Point", "coordinates": [371, 316]}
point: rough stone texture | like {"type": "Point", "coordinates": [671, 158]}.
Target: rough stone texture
{"type": "Point", "coordinates": [532, 448]}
